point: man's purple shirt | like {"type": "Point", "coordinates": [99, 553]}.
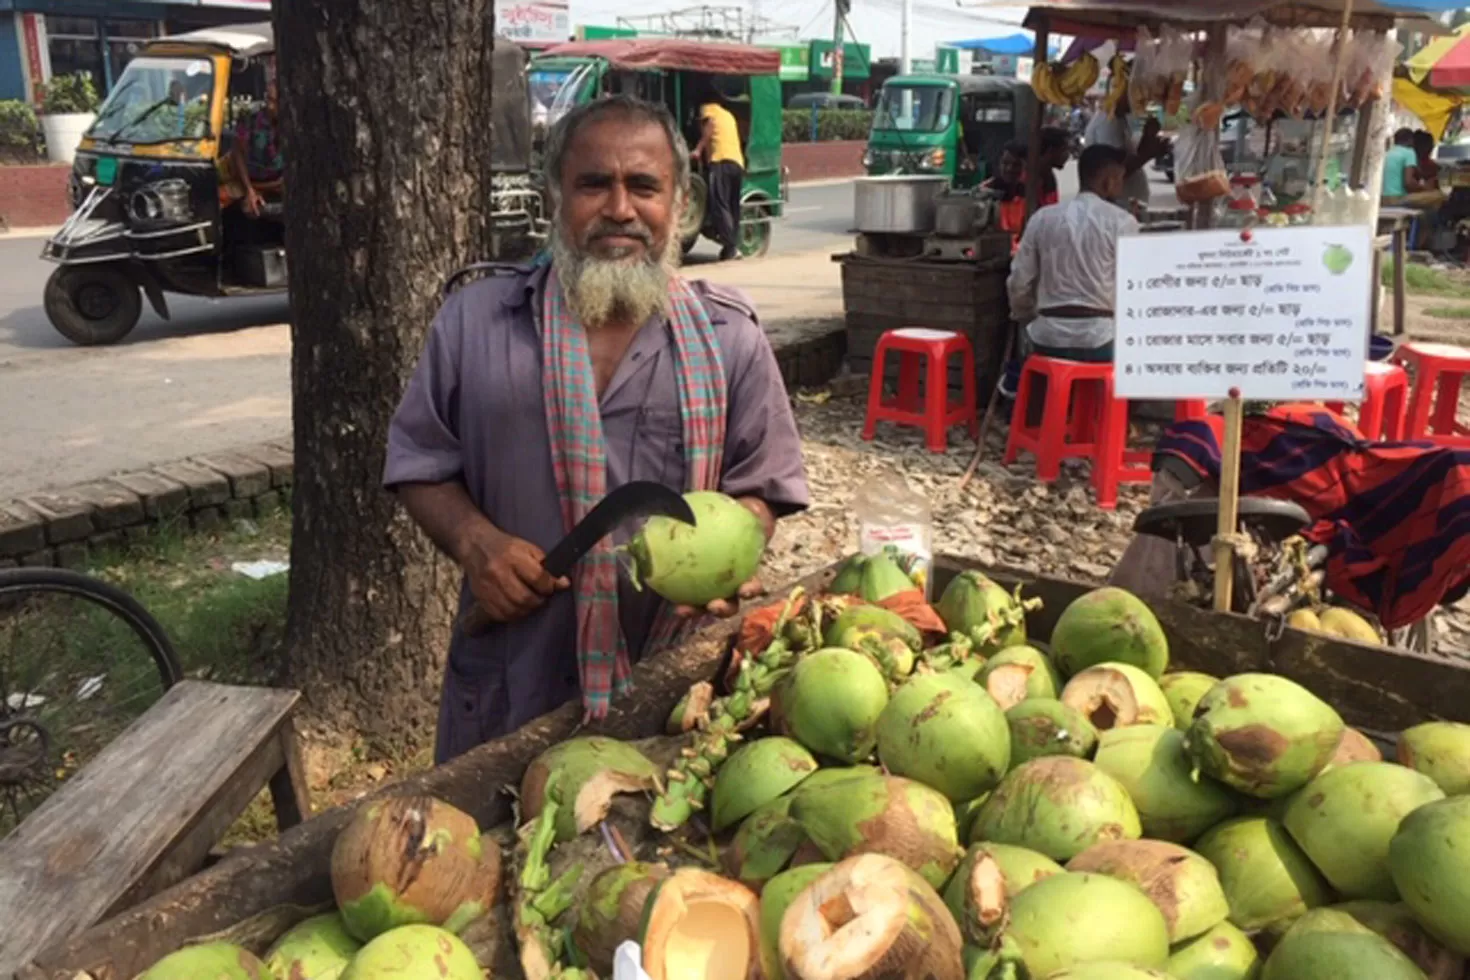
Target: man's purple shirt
{"type": "Point", "coordinates": [474, 410]}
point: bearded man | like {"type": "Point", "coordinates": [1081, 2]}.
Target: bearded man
{"type": "Point", "coordinates": [541, 390]}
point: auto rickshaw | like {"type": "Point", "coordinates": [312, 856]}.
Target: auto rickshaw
{"type": "Point", "coordinates": [953, 126]}
{"type": "Point", "coordinates": [675, 72]}
{"type": "Point", "coordinates": [153, 185]}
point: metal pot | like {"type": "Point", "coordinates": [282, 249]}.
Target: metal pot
{"type": "Point", "coordinates": [955, 215]}
{"type": "Point", "coordinates": [896, 204]}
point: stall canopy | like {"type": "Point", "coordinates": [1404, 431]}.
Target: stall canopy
{"type": "Point", "coordinates": [1086, 17]}
{"type": "Point", "coordinates": [1434, 109]}
{"type": "Point", "coordinates": [1443, 63]}
{"type": "Point", "coordinates": [1015, 44]}
{"type": "Point", "coordinates": [670, 54]}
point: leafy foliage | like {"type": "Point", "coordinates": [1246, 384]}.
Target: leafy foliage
{"type": "Point", "coordinates": [832, 124]}
{"type": "Point", "coordinates": [69, 93]}
{"type": "Point", "coordinates": [20, 131]}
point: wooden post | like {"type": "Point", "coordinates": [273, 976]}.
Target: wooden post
{"type": "Point", "coordinates": [1358, 174]}
{"type": "Point", "coordinates": [1330, 118]}
{"type": "Point", "coordinates": [1229, 503]}
{"type": "Point", "coordinates": [1400, 263]}
{"type": "Point", "coordinates": [1033, 152]}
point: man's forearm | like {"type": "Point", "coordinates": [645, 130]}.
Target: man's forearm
{"type": "Point", "coordinates": [448, 516]}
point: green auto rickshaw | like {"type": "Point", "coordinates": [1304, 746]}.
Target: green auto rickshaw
{"type": "Point", "coordinates": [674, 72]}
{"type": "Point", "coordinates": [953, 126]}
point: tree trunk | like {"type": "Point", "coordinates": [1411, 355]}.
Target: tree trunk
{"type": "Point", "coordinates": [386, 130]}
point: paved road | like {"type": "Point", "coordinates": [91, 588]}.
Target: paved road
{"type": "Point", "coordinates": [218, 374]}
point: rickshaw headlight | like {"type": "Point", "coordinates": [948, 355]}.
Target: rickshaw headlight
{"type": "Point", "coordinates": [162, 202]}
{"type": "Point", "coordinates": [867, 158]}
{"type": "Point", "coordinates": [934, 159]}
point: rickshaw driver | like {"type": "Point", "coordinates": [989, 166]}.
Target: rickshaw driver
{"type": "Point", "coordinates": [256, 155]}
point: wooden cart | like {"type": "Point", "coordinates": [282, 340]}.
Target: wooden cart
{"type": "Point", "coordinates": [274, 885]}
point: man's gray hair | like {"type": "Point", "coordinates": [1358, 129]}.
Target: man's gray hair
{"type": "Point", "coordinates": [634, 110]}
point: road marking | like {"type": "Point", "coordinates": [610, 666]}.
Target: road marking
{"type": "Point", "coordinates": [809, 207]}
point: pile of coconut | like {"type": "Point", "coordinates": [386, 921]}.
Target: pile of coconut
{"type": "Point", "coordinates": [882, 788]}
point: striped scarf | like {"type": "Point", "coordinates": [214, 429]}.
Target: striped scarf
{"type": "Point", "coordinates": [579, 458]}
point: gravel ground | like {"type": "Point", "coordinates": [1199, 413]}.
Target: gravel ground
{"type": "Point", "coordinates": [1004, 517]}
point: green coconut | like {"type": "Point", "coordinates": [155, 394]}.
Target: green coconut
{"type": "Point", "coordinates": [1441, 751]}
{"type": "Point", "coordinates": [1153, 766]}
{"type": "Point", "coordinates": [831, 703]}
{"type": "Point", "coordinates": [1344, 819]}
{"type": "Point", "coordinates": [1182, 884]}
{"type": "Point", "coordinates": [611, 909]}
{"type": "Point", "coordinates": [1115, 695]}
{"type": "Point", "coordinates": [964, 814]}
{"type": "Point", "coordinates": [1042, 726]}
{"type": "Point", "coordinates": [1395, 922]}
{"type": "Point", "coordinates": [1109, 625]}
{"type": "Point", "coordinates": [413, 951]}
{"type": "Point", "coordinates": [1334, 946]}
{"type": "Point", "coordinates": [776, 898]}
{"type": "Point", "coordinates": [412, 860]}
{"type": "Point", "coordinates": [849, 576]}
{"type": "Point", "coordinates": [901, 818]}
{"type": "Point", "coordinates": [1354, 746]}
{"type": "Point", "coordinates": [971, 606]}
{"type": "Point", "coordinates": [764, 844]}
{"type": "Point", "coordinates": [1184, 689]}
{"type": "Point", "coordinates": [1263, 735]}
{"type": "Point", "coordinates": [695, 564]}
{"type": "Point", "coordinates": [859, 620]}
{"type": "Point", "coordinates": [754, 775]}
{"type": "Point", "coordinates": [882, 578]}
{"type": "Point", "coordinates": [589, 771]}
{"type": "Point", "coordinates": [1266, 878]}
{"type": "Point", "coordinates": [1109, 970]}
{"type": "Point", "coordinates": [1017, 673]}
{"type": "Point", "coordinates": [217, 961]}
{"type": "Point", "coordinates": [1430, 863]}
{"type": "Point", "coordinates": [1018, 867]}
{"type": "Point", "coordinates": [316, 949]}
{"type": "Point", "coordinates": [947, 733]}
{"type": "Point", "coordinates": [1071, 919]}
{"type": "Point", "coordinates": [1222, 953]}
{"type": "Point", "coordinates": [1058, 806]}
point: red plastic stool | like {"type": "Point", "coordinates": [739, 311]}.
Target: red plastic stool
{"type": "Point", "coordinates": [1071, 418]}
{"type": "Point", "coordinates": [1439, 371]}
{"type": "Point", "coordinates": [937, 413]}
{"type": "Point", "coordinates": [1386, 393]}
{"type": "Point", "coordinates": [1116, 463]}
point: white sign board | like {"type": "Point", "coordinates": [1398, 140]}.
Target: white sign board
{"type": "Point", "coordinates": [526, 20]}
{"type": "Point", "coordinates": [1283, 316]}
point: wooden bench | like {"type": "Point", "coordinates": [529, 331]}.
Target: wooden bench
{"type": "Point", "coordinates": [146, 811]}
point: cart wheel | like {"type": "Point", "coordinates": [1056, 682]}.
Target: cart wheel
{"type": "Point", "coordinates": [93, 305]}
{"type": "Point", "coordinates": [691, 225]}
{"type": "Point", "coordinates": [755, 236]}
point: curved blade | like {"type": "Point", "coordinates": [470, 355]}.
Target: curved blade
{"type": "Point", "coordinates": [641, 498]}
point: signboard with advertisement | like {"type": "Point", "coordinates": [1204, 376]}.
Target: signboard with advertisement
{"type": "Point", "coordinates": [33, 44]}
{"type": "Point", "coordinates": [533, 20]}
{"type": "Point", "coordinates": [856, 60]}
{"type": "Point", "coordinates": [796, 62]}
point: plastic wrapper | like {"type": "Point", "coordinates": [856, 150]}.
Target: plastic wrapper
{"type": "Point", "coordinates": [1199, 168]}
{"type": "Point", "coordinates": [1160, 67]}
{"type": "Point", "coordinates": [1319, 60]}
{"type": "Point", "coordinates": [1369, 60]}
{"type": "Point", "coordinates": [1243, 50]}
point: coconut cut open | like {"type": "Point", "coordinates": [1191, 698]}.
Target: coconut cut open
{"type": "Point", "coordinates": [1009, 684]}
{"type": "Point", "coordinates": [587, 772]}
{"type": "Point", "coordinates": [870, 917]}
{"type": "Point", "coordinates": [984, 901]}
{"type": "Point", "coordinates": [698, 924]}
{"type": "Point", "coordinates": [1107, 698]}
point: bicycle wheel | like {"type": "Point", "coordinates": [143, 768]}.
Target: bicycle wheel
{"type": "Point", "coordinates": [80, 660]}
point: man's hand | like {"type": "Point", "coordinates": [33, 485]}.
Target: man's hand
{"type": "Point", "coordinates": [506, 575]}
{"type": "Point", "coordinates": [253, 202]}
{"type": "Point", "coordinates": [1151, 145]}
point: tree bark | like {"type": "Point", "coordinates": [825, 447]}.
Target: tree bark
{"type": "Point", "coordinates": [386, 130]}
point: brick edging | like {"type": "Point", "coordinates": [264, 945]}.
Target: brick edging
{"type": "Point", "coordinates": [61, 527]}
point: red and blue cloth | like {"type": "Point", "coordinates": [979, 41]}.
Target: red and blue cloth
{"type": "Point", "coordinates": [1395, 516]}
{"type": "Point", "coordinates": [579, 458]}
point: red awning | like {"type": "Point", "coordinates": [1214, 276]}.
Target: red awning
{"type": "Point", "coordinates": [673, 54]}
{"type": "Point", "coordinates": [1452, 70]}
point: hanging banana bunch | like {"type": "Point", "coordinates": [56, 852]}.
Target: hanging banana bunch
{"type": "Point", "coordinates": [1119, 71]}
{"type": "Point", "coordinates": [1065, 85]}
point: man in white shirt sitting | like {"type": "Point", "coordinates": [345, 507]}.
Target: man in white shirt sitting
{"type": "Point", "coordinates": [1062, 277]}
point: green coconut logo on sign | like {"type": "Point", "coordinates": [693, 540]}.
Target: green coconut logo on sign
{"type": "Point", "coordinates": [1338, 259]}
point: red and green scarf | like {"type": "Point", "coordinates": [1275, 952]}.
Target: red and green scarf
{"type": "Point", "coordinates": [579, 458]}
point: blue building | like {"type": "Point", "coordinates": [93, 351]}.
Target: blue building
{"type": "Point", "coordinates": [42, 38]}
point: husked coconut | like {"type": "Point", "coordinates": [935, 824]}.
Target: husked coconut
{"type": "Point", "coordinates": [870, 918]}
{"type": "Point", "coordinates": [588, 772]}
{"type": "Point", "coordinates": [1017, 673]}
{"type": "Point", "coordinates": [776, 898]}
{"type": "Point", "coordinates": [412, 860]}
{"type": "Point", "coordinates": [611, 910]}
{"type": "Point", "coordinates": [697, 924]}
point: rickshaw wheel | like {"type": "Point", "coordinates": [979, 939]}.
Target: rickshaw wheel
{"type": "Point", "coordinates": [691, 223]}
{"type": "Point", "coordinates": [755, 236]}
{"type": "Point", "coordinates": [92, 305]}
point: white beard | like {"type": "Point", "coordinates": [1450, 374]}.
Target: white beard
{"type": "Point", "coordinates": [628, 288]}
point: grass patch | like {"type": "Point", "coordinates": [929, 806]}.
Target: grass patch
{"type": "Point", "coordinates": [1422, 280]}
{"type": "Point", "coordinates": [1448, 312]}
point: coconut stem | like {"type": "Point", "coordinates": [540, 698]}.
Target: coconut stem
{"type": "Point", "coordinates": [540, 900]}
{"type": "Point", "coordinates": [1004, 620]}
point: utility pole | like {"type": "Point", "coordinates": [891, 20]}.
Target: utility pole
{"type": "Point", "coordinates": [904, 65]}
{"type": "Point", "coordinates": [841, 7]}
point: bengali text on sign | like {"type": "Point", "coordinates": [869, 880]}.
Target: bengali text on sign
{"type": "Point", "coordinates": [1282, 317]}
